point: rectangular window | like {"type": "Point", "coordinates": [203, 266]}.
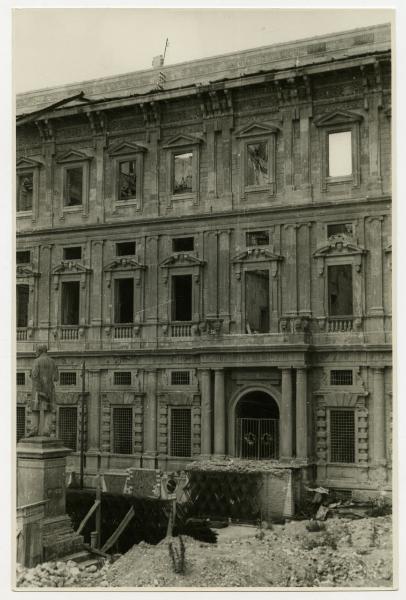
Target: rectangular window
{"type": "Point", "coordinates": [257, 238]}
{"type": "Point", "coordinates": [185, 244]}
{"type": "Point", "coordinates": [125, 249]}
{"type": "Point", "coordinates": [20, 422]}
{"type": "Point", "coordinates": [257, 301]}
{"type": "Point", "coordinates": [341, 377]}
{"type": "Point", "coordinates": [122, 430]}
{"type": "Point", "coordinates": [23, 257]}
{"type": "Point", "coordinates": [73, 253]}
{"type": "Point", "coordinates": [182, 298]}
{"type": "Point", "coordinates": [23, 293]}
{"type": "Point", "coordinates": [340, 154]}
{"type": "Point", "coordinates": [20, 378]}
{"type": "Point", "coordinates": [68, 426]}
{"type": "Point", "coordinates": [127, 180]}
{"type": "Point", "coordinates": [183, 173]}
{"type": "Point", "coordinates": [337, 228]}
{"type": "Point", "coordinates": [181, 432]}
{"type": "Point", "coordinates": [340, 290]}
{"type": "Point", "coordinates": [342, 436]}
{"type": "Point", "coordinates": [70, 302]}
{"type": "Point", "coordinates": [67, 378]}
{"type": "Point", "coordinates": [122, 378]}
{"type": "Point", "coordinates": [257, 164]}
{"type": "Point", "coordinates": [74, 186]}
{"type": "Point", "coordinates": [124, 300]}
{"type": "Point", "coordinates": [25, 190]}
{"type": "Point", "coordinates": [180, 378]}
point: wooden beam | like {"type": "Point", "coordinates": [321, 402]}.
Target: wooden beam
{"type": "Point", "coordinates": [89, 514]}
{"type": "Point", "coordinates": [113, 538]}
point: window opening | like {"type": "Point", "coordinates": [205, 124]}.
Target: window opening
{"type": "Point", "coordinates": [125, 249]}
{"type": "Point", "coordinates": [339, 154]}
{"type": "Point", "coordinates": [341, 377]}
{"type": "Point", "coordinates": [257, 238]}
{"type": "Point", "coordinates": [340, 290]}
{"type": "Point", "coordinates": [20, 422]}
{"type": "Point", "coordinates": [20, 378]}
{"type": "Point", "coordinates": [183, 173]}
{"type": "Point", "coordinates": [74, 186]}
{"type": "Point", "coordinates": [124, 300]}
{"type": "Point", "coordinates": [127, 180]}
{"type": "Point", "coordinates": [339, 228]}
{"type": "Point", "coordinates": [67, 378]}
{"type": "Point", "coordinates": [70, 302]}
{"type": "Point", "coordinates": [122, 430]}
{"type": "Point", "coordinates": [68, 426]}
{"type": "Point", "coordinates": [185, 244]}
{"type": "Point", "coordinates": [122, 378]}
{"type": "Point", "coordinates": [73, 253]}
{"type": "Point", "coordinates": [342, 436]}
{"type": "Point", "coordinates": [257, 164]}
{"type": "Point", "coordinates": [182, 298]}
{"type": "Point", "coordinates": [181, 432]}
{"type": "Point", "coordinates": [25, 187]}
{"type": "Point", "coordinates": [23, 293]}
{"type": "Point", "coordinates": [23, 257]}
{"type": "Point", "coordinates": [180, 378]}
{"type": "Point", "coordinates": [257, 301]}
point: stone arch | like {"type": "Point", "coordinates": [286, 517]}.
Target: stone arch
{"type": "Point", "coordinates": [270, 390]}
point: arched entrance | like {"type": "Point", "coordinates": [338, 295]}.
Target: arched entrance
{"type": "Point", "coordinates": [257, 426]}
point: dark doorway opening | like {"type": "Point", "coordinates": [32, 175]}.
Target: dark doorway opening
{"type": "Point", "coordinates": [257, 301]}
{"type": "Point", "coordinates": [182, 298]}
{"type": "Point", "coordinates": [340, 290]}
{"type": "Point", "coordinates": [23, 294]}
{"type": "Point", "coordinates": [124, 301]}
{"type": "Point", "coordinates": [70, 303]}
{"type": "Point", "coordinates": [257, 426]}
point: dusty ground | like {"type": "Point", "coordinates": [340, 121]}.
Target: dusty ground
{"type": "Point", "coordinates": [347, 553]}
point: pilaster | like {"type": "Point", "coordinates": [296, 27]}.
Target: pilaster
{"type": "Point", "coordinates": [286, 416]}
{"type": "Point", "coordinates": [219, 413]}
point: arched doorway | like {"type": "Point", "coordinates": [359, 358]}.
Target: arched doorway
{"type": "Point", "coordinates": [257, 426]}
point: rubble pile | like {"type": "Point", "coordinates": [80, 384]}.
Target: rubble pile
{"type": "Point", "coordinates": [62, 574]}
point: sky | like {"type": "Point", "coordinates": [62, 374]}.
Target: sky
{"type": "Point", "coordinates": [57, 46]}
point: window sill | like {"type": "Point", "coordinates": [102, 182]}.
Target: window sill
{"type": "Point", "coordinates": [338, 180]}
{"type": "Point", "coordinates": [257, 188]}
{"type": "Point", "coordinates": [188, 196]}
{"type": "Point", "coordinates": [69, 209]}
{"type": "Point", "coordinates": [123, 203]}
{"type": "Point", "coordinates": [22, 214]}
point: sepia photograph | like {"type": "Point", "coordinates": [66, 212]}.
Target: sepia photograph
{"type": "Point", "coordinates": [204, 394]}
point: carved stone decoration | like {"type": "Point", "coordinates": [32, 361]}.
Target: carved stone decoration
{"type": "Point", "coordinates": [70, 267]}
{"type": "Point", "coordinates": [124, 264]}
{"type": "Point", "coordinates": [25, 274]}
{"type": "Point", "coordinates": [182, 259]}
{"type": "Point", "coordinates": [253, 256]}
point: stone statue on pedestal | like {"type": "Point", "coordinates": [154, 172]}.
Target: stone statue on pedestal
{"type": "Point", "coordinates": [44, 373]}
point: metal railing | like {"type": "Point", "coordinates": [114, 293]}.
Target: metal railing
{"type": "Point", "coordinates": [258, 438]}
{"type": "Point", "coordinates": [181, 330]}
{"type": "Point", "coordinates": [69, 333]}
{"type": "Point", "coordinates": [21, 334]}
{"type": "Point", "coordinates": [123, 332]}
{"type": "Point", "coordinates": [337, 324]}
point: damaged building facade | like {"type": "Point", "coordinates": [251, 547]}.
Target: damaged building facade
{"type": "Point", "coordinates": [213, 239]}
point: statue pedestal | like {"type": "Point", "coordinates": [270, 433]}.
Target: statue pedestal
{"type": "Point", "coordinates": [41, 472]}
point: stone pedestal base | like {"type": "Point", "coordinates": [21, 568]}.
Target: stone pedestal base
{"type": "Point", "coordinates": [41, 473]}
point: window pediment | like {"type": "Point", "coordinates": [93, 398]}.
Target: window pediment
{"type": "Point", "coordinates": [258, 129]}
{"type": "Point", "coordinates": [256, 256]}
{"type": "Point", "coordinates": [127, 148]}
{"type": "Point", "coordinates": [339, 245]}
{"type": "Point", "coordinates": [73, 156]}
{"type": "Point", "coordinates": [338, 117]}
{"type": "Point", "coordinates": [124, 264]}
{"type": "Point", "coordinates": [70, 267]}
{"type": "Point", "coordinates": [182, 259]}
{"type": "Point", "coordinates": [26, 271]}
{"type": "Point", "coordinates": [181, 140]}
{"type": "Point", "coordinates": [28, 163]}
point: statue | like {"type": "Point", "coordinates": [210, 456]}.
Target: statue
{"type": "Point", "coordinates": [44, 373]}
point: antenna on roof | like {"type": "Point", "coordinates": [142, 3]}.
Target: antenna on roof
{"type": "Point", "coordinates": [166, 46]}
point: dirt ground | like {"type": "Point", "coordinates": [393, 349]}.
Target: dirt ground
{"type": "Point", "coordinates": [346, 553]}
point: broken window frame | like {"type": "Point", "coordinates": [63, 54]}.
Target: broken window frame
{"type": "Point", "coordinates": [21, 174]}
{"type": "Point", "coordinates": [66, 186]}
{"type": "Point", "coordinates": [254, 134]}
{"type": "Point", "coordinates": [182, 144]}
{"type": "Point", "coordinates": [343, 176]}
{"type": "Point", "coordinates": [260, 266]}
{"type": "Point", "coordinates": [259, 186]}
{"type": "Point", "coordinates": [127, 153]}
{"type": "Point", "coordinates": [338, 224]}
{"type": "Point", "coordinates": [71, 160]}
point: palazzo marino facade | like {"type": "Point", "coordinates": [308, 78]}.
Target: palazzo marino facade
{"type": "Point", "coordinates": [213, 240]}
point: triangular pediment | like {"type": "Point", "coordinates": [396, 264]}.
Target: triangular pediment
{"type": "Point", "coordinates": [73, 156]}
{"type": "Point", "coordinates": [339, 244]}
{"type": "Point", "coordinates": [28, 163]}
{"type": "Point", "coordinates": [254, 254]}
{"type": "Point", "coordinates": [181, 259]}
{"type": "Point", "coordinates": [257, 129]}
{"type": "Point", "coordinates": [183, 140]}
{"type": "Point", "coordinates": [127, 148]}
{"type": "Point", "coordinates": [26, 271]}
{"type": "Point", "coordinates": [68, 267]}
{"type": "Point", "coordinates": [338, 117]}
{"type": "Point", "coordinates": [123, 264]}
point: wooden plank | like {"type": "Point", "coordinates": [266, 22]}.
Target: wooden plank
{"type": "Point", "coordinates": [113, 538]}
{"type": "Point", "coordinates": [87, 517]}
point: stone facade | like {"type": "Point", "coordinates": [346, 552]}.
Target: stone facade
{"type": "Point", "coordinates": [285, 101]}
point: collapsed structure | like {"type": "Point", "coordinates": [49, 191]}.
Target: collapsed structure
{"type": "Point", "coordinates": [213, 238]}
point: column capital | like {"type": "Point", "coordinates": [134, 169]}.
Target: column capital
{"type": "Point", "coordinates": [379, 369]}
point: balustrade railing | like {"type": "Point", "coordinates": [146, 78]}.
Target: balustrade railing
{"type": "Point", "coordinates": [21, 334]}
{"type": "Point", "coordinates": [340, 324]}
{"type": "Point", "coordinates": [69, 333]}
{"type": "Point", "coordinates": [181, 330]}
{"type": "Point", "coordinates": [123, 332]}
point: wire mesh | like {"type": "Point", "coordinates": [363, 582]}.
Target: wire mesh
{"type": "Point", "coordinates": [341, 377]}
{"type": "Point", "coordinates": [20, 378]}
{"type": "Point", "coordinates": [181, 432]}
{"type": "Point", "coordinates": [20, 422]}
{"type": "Point", "coordinates": [122, 378]}
{"type": "Point", "coordinates": [342, 436]}
{"type": "Point", "coordinates": [122, 430]}
{"type": "Point", "coordinates": [68, 426]}
{"type": "Point", "coordinates": [180, 378]}
{"type": "Point", "coordinates": [67, 378]}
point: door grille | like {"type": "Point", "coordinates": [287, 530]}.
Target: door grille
{"type": "Point", "coordinates": [258, 438]}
